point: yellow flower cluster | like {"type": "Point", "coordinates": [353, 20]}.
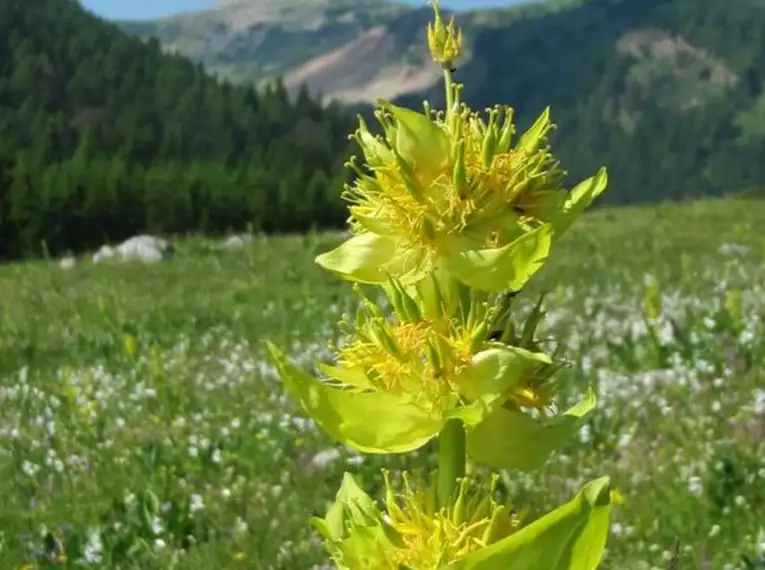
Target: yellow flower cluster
{"type": "Point", "coordinates": [449, 211]}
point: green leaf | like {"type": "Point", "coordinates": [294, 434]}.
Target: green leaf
{"type": "Point", "coordinates": [374, 259]}
{"type": "Point", "coordinates": [377, 226]}
{"type": "Point", "coordinates": [354, 377]}
{"type": "Point", "coordinates": [437, 294]}
{"type": "Point", "coordinates": [376, 153]}
{"type": "Point", "coordinates": [514, 440]}
{"type": "Point", "coordinates": [579, 199]}
{"type": "Point", "coordinates": [351, 504]}
{"type": "Point", "coordinates": [572, 537]}
{"type": "Point", "coordinates": [353, 528]}
{"type": "Point", "coordinates": [495, 371]}
{"type": "Point", "coordinates": [533, 137]}
{"type": "Point", "coordinates": [361, 258]}
{"type": "Point", "coordinates": [508, 267]}
{"type": "Point", "coordinates": [420, 141]}
{"type": "Point", "coordinates": [372, 422]}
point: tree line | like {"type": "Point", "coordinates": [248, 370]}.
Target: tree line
{"type": "Point", "coordinates": [103, 136]}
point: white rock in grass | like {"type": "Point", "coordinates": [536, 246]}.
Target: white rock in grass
{"type": "Point", "coordinates": [105, 252]}
{"type": "Point", "coordinates": [237, 241]}
{"type": "Point", "coordinates": [67, 262]}
{"type": "Point", "coordinates": [145, 248]}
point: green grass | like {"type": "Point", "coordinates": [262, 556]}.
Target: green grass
{"type": "Point", "coordinates": [185, 453]}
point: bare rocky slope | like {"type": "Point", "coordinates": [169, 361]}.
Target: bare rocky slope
{"type": "Point", "coordinates": [349, 50]}
{"type": "Point", "coordinates": [670, 94]}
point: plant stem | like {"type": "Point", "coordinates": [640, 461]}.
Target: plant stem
{"type": "Point", "coordinates": [449, 90]}
{"type": "Point", "coordinates": [451, 460]}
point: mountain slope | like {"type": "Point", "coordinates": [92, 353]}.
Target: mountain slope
{"type": "Point", "coordinates": [299, 39]}
{"type": "Point", "coordinates": [667, 93]}
{"type": "Point", "coordinates": [104, 136]}
{"type": "Point", "coordinates": [349, 50]}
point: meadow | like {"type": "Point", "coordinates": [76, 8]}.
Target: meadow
{"type": "Point", "coordinates": [142, 427]}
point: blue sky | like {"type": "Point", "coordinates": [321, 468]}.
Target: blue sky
{"type": "Point", "coordinates": [141, 9]}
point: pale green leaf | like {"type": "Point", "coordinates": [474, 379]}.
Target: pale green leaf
{"type": "Point", "coordinates": [572, 537]}
{"type": "Point", "coordinates": [376, 152]}
{"type": "Point", "coordinates": [420, 141]}
{"type": "Point", "coordinates": [579, 199]}
{"type": "Point", "coordinates": [355, 377]}
{"type": "Point", "coordinates": [351, 504]}
{"type": "Point", "coordinates": [534, 136]}
{"type": "Point", "coordinates": [496, 370]}
{"type": "Point", "coordinates": [354, 529]}
{"type": "Point", "coordinates": [378, 226]}
{"type": "Point", "coordinates": [508, 267]}
{"type": "Point", "coordinates": [437, 294]}
{"type": "Point", "coordinates": [364, 258]}
{"type": "Point", "coordinates": [514, 440]}
{"type": "Point", "coordinates": [372, 422]}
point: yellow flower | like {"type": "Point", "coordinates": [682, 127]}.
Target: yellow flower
{"type": "Point", "coordinates": [475, 532]}
{"type": "Point", "coordinates": [130, 345]}
{"type": "Point", "coordinates": [432, 537]}
{"type": "Point", "coordinates": [616, 497]}
{"type": "Point", "coordinates": [397, 381]}
{"type": "Point", "coordinates": [452, 191]}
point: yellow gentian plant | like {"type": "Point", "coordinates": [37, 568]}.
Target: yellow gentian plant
{"type": "Point", "coordinates": [450, 217]}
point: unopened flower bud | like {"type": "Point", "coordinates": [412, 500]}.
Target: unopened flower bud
{"type": "Point", "coordinates": [444, 41]}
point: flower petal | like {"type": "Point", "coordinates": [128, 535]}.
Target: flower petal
{"type": "Point", "coordinates": [572, 537]}
{"type": "Point", "coordinates": [372, 422]}
{"type": "Point", "coordinates": [508, 267]}
{"type": "Point", "coordinates": [514, 440]}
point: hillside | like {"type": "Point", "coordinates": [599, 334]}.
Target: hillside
{"type": "Point", "coordinates": [667, 93]}
{"type": "Point", "coordinates": [349, 50]}
{"type": "Point", "coordinates": [104, 136]}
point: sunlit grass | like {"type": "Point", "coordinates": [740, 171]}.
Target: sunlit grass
{"type": "Point", "coordinates": [142, 427]}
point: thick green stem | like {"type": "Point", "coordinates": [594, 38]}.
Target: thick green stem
{"type": "Point", "coordinates": [451, 460]}
{"type": "Point", "coordinates": [449, 89]}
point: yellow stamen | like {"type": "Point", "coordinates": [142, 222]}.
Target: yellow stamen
{"type": "Point", "coordinates": [434, 539]}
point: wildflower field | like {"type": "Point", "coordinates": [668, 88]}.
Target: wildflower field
{"type": "Point", "coordinates": [142, 425]}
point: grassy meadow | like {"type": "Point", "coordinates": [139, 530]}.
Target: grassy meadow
{"type": "Point", "coordinates": [141, 426]}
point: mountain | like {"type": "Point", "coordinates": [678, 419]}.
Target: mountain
{"type": "Point", "coordinates": [349, 50]}
{"type": "Point", "coordinates": [669, 94]}
{"type": "Point", "coordinates": [105, 136]}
